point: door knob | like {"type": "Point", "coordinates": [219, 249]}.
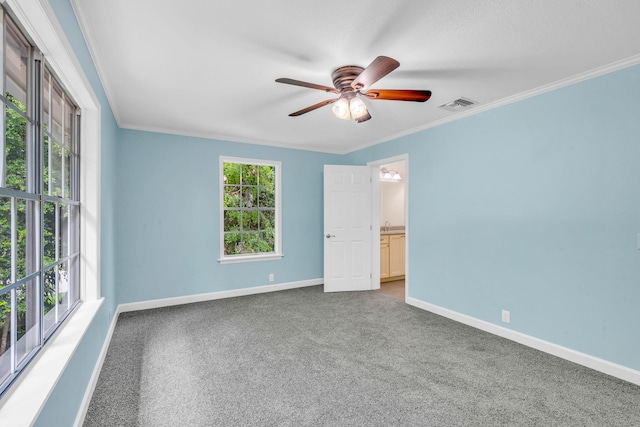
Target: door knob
{"type": "Point", "coordinates": [328, 236]}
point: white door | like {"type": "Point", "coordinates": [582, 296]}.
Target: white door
{"type": "Point", "coordinates": [347, 228]}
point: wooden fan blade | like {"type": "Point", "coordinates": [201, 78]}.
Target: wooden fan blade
{"type": "Point", "coordinates": [380, 67]}
{"type": "Point", "coordinates": [309, 85]}
{"type": "Point", "coordinates": [399, 95]}
{"type": "Point", "coordinates": [313, 107]}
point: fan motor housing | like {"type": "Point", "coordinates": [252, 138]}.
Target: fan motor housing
{"type": "Point", "coordinates": [343, 76]}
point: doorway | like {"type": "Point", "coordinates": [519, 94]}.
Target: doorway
{"type": "Point", "coordinates": [391, 208]}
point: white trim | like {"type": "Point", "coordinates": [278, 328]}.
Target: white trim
{"type": "Point", "coordinates": [376, 206]}
{"type": "Point", "coordinates": [393, 159]}
{"type": "Point", "coordinates": [601, 365]}
{"type": "Point", "coordinates": [234, 259]}
{"type": "Point", "coordinates": [375, 225]}
{"type": "Point", "coordinates": [277, 254]}
{"type": "Point", "coordinates": [187, 299]}
{"type": "Point", "coordinates": [23, 401]}
{"type": "Point", "coordinates": [90, 192]}
{"type": "Point", "coordinates": [88, 393]}
{"type": "Point", "coordinates": [225, 137]}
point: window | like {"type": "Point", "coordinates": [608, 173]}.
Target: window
{"type": "Point", "coordinates": [39, 202]}
{"type": "Point", "coordinates": [250, 217]}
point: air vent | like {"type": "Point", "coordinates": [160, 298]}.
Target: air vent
{"type": "Point", "coordinates": [458, 105]}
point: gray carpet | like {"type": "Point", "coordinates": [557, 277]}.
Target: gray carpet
{"type": "Point", "coordinates": [305, 358]}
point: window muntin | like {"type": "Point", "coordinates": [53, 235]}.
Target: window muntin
{"type": "Point", "coordinates": [39, 203]}
{"type": "Point", "coordinates": [250, 204]}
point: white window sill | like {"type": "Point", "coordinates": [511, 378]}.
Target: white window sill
{"type": "Point", "coordinates": [249, 258]}
{"type": "Point", "coordinates": [25, 398]}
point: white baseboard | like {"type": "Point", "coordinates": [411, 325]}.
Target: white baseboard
{"type": "Point", "coordinates": [601, 365]}
{"type": "Point", "coordinates": [187, 299]}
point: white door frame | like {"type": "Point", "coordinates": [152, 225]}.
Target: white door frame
{"type": "Point", "coordinates": [375, 218]}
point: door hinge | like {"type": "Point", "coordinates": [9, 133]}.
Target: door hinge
{"type": "Point", "coordinates": [370, 275]}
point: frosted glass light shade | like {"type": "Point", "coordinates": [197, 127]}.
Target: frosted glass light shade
{"type": "Point", "coordinates": [341, 109]}
{"type": "Point", "coordinates": [358, 108]}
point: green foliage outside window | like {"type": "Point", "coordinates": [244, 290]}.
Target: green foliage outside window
{"type": "Point", "coordinates": [249, 208]}
{"type": "Point", "coordinates": [15, 169]}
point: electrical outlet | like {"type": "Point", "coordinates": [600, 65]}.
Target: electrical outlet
{"type": "Point", "coordinates": [272, 277]}
{"type": "Point", "coordinates": [506, 316]}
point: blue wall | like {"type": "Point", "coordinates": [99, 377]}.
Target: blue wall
{"type": "Point", "coordinates": [168, 220]}
{"type": "Point", "coordinates": [534, 207]}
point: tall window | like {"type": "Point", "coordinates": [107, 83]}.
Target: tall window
{"type": "Point", "coordinates": [39, 202]}
{"type": "Point", "coordinates": [250, 201]}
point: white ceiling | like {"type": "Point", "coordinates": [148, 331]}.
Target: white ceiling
{"type": "Point", "coordinates": [207, 68]}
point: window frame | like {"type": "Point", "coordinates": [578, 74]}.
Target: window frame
{"type": "Point", "coordinates": [24, 400]}
{"type": "Point", "coordinates": [44, 319]}
{"type": "Point", "coordinates": [264, 256]}
{"type": "Point", "coordinates": [69, 200]}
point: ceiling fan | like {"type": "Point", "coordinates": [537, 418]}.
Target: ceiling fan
{"type": "Point", "coordinates": [349, 81]}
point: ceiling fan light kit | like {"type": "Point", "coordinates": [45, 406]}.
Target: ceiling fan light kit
{"type": "Point", "coordinates": [359, 111]}
{"type": "Point", "coordinates": [341, 108]}
{"type": "Point", "coordinates": [350, 107]}
{"type": "Point", "coordinates": [349, 81]}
